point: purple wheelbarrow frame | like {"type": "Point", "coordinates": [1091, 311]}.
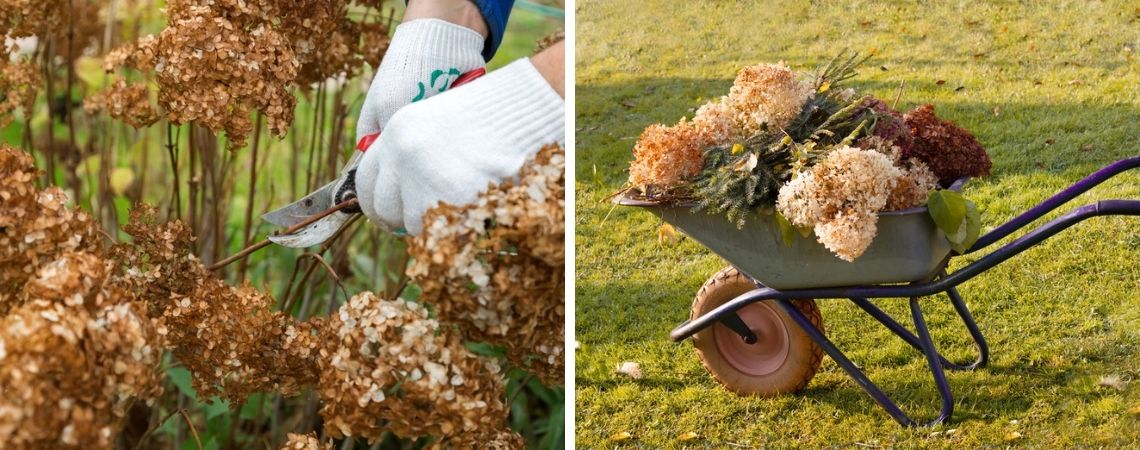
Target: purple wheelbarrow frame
{"type": "Point", "coordinates": [939, 282]}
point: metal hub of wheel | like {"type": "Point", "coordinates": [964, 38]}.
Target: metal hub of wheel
{"type": "Point", "coordinates": [767, 354]}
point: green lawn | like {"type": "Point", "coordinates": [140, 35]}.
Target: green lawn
{"type": "Point", "coordinates": [1054, 94]}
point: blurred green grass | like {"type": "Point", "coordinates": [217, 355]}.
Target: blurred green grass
{"type": "Point", "coordinates": [1051, 88]}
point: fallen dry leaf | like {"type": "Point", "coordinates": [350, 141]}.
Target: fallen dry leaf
{"type": "Point", "coordinates": [687, 436]}
{"type": "Point", "coordinates": [1112, 381]}
{"type": "Point", "coordinates": [1012, 436]}
{"type": "Point", "coordinates": [1135, 410]}
{"type": "Point", "coordinates": [667, 235]}
{"type": "Point", "coordinates": [622, 436]}
{"type": "Point", "coordinates": [630, 369]}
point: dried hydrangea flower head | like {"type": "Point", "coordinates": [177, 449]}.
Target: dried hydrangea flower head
{"type": "Point", "coordinates": [35, 225]}
{"type": "Point", "coordinates": [386, 366]}
{"type": "Point", "coordinates": [230, 338]}
{"type": "Point", "coordinates": [495, 267]}
{"type": "Point", "coordinates": [716, 122]}
{"type": "Point", "coordinates": [950, 151]}
{"type": "Point", "coordinates": [916, 181]}
{"type": "Point", "coordinates": [214, 71]}
{"type": "Point", "coordinates": [768, 95]}
{"type": "Point", "coordinates": [19, 82]}
{"type": "Point", "coordinates": [665, 156]}
{"type": "Point", "coordinates": [305, 442]}
{"type": "Point", "coordinates": [840, 198]}
{"type": "Point", "coordinates": [129, 103]}
{"type": "Point", "coordinates": [889, 124]}
{"type": "Point", "coordinates": [74, 356]}
{"type": "Point", "coordinates": [217, 61]}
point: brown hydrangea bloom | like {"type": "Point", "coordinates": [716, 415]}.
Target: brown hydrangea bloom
{"type": "Point", "coordinates": [664, 157]}
{"type": "Point", "coordinates": [53, 20]}
{"type": "Point", "coordinates": [230, 338]}
{"type": "Point", "coordinates": [217, 61]}
{"type": "Point", "coordinates": [495, 267]}
{"type": "Point", "coordinates": [768, 95]}
{"type": "Point", "coordinates": [73, 357]}
{"type": "Point", "coordinates": [214, 71]}
{"type": "Point", "coordinates": [716, 122]}
{"type": "Point", "coordinates": [35, 225]}
{"type": "Point", "coordinates": [387, 366]}
{"type": "Point", "coordinates": [305, 442]}
{"type": "Point", "coordinates": [19, 82]}
{"type": "Point", "coordinates": [950, 152]}
{"type": "Point", "coordinates": [129, 103]}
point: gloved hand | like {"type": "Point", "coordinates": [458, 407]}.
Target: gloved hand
{"type": "Point", "coordinates": [424, 58]}
{"type": "Point", "coordinates": [450, 147]}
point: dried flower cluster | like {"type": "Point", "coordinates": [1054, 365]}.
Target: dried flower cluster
{"type": "Point", "coordinates": [305, 442]}
{"type": "Point", "coordinates": [73, 357]}
{"type": "Point", "coordinates": [230, 338]}
{"type": "Point", "coordinates": [216, 62]}
{"type": "Point", "coordinates": [129, 103]}
{"type": "Point", "coordinates": [840, 197]}
{"type": "Point", "coordinates": [19, 84]}
{"type": "Point", "coordinates": [70, 27]}
{"type": "Point", "coordinates": [889, 125]}
{"type": "Point", "coordinates": [83, 328]}
{"type": "Point", "coordinates": [495, 267]}
{"type": "Point", "coordinates": [950, 152]}
{"type": "Point", "coordinates": [76, 346]}
{"type": "Point", "coordinates": [767, 96]}
{"type": "Point", "coordinates": [913, 185]}
{"type": "Point", "coordinates": [664, 157]}
{"type": "Point", "coordinates": [836, 159]}
{"type": "Point", "coordinates": [389, 367]}
{"type": "Point", "coordinates": [763, 97]}
{"type": "Point", "coordinates": [35, 225]}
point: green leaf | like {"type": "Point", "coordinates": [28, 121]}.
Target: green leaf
{"type": "Point", "coordinates": [957, 217]}
{"type": "Point", "coordinates": [786, 229]}
{"type": "Point", "coordinates": [948, 209]}
{"type": "Point", "coordinates": [181, 379]}
{"type": "Point", "coordinates": [973, 225]}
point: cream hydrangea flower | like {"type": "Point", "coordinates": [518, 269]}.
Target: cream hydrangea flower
{"type": "Point", "coordinates": [840, 198]}
{"type": "Point", "coordinates": [768, 94]}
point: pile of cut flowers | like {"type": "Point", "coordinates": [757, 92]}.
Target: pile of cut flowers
{"type": "Point", "coordinates": [816, 155]}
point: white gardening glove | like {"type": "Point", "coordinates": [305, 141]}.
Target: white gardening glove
{"type": "Point", "coordinates": [450, 147]}
{"type": "Point", "coordinates": [424, 58]}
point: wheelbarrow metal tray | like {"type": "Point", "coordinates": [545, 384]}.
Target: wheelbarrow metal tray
{"type": "Point", "coordinates": [908, 247]}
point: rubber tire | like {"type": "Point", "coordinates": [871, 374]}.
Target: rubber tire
{"type": "Point", "coordinates": [799, 366]}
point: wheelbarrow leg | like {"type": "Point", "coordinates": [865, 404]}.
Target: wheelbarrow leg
{"type": "Point", "coordinates": [873, 390]}
{"type": "Point", "coordinates": [902, 332]}
{"type": "Point", "coordinates": [975, 333]}
{"type": "Point", "coordinates": [934, 360]}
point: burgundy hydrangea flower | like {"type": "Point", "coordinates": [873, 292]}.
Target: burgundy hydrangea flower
{"type": "Point", "coordinates": [950, 151]}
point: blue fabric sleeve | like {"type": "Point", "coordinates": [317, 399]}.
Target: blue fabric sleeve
{"type": "Point", "coordinates": [496, 13]}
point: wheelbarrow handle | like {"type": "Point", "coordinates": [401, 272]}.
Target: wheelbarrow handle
{"type": "Point", "coordinates": [1055, 202]}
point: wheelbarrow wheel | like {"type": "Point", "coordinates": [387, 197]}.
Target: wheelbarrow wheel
{"type": "Point", "coordinates": [783, 360]}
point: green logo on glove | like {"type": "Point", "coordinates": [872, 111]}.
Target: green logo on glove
{"type": "Point", "coordinates": [438, 77]}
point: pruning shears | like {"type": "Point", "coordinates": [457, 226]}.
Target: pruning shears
{"type": "Point", "coordinates": [329, 196]}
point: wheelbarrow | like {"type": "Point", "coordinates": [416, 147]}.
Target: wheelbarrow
{"type": "Point", "coordinates": [756, 326]}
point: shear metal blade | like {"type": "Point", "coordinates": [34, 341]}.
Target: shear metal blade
{"type": "Point", "coordinates": [296, 212]}
{"type": "Point", "coordinates": [313, 234]}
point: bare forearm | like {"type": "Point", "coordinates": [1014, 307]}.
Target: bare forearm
{"type": "Point", "coordinates": [551, 64]}
{"type": "Point", "coordinates": [459, 12]}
